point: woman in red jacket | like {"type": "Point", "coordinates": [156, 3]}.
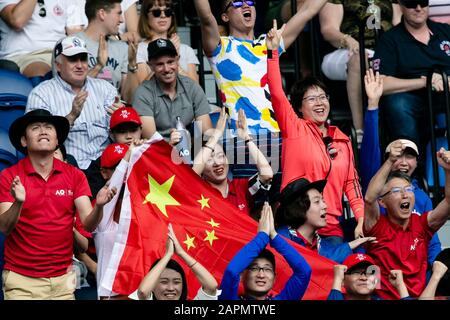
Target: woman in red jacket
{"type": "Point", "coordinates": [312, 149]}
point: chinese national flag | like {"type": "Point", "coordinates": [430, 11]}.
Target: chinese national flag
{"type": "Point", "coordinates": [159, 191]}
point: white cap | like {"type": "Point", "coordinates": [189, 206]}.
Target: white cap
{"type": "Point", "coordinates": [70, 46]}
{"type": "Point", "coordinates": [406, 143]}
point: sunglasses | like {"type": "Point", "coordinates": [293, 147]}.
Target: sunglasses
{"type": "Point", "coordinates": [157, 12]}
{"type": "Point", "coordinates": [238, 4]}
{"type": "Point", "coordinates": [412, 4]}
{"type": "Point", "coordinates": [332, 152]}
{"type": "Point", "coordinates": [42, 11]}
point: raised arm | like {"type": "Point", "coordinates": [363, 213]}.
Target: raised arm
{"type": "Point", "coordinates": [10, 212]}
{"type": "Point", "coordinates": [439, 270]}
{"type": "Point", "coordinates": [441, 213]}
{"type": "Point", "coordinates": [152, 278]}
{"type": "Point", "coordinates": [371, 209]}
{"type": "Point", "coordinates": [209, 26]}
{"type": "Point", "coordinates": [296, 24]}
{"type": "Point", "coordinates": [396, 279]}
{"type": "Point", "coordinates": [264, 169]}
{"type": "Point", "coordinates": [18, 15]}
{"type": "Point", "coordinates": [206, 279]}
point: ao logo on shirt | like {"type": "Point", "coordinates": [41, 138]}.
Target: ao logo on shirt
{"type": "Point", "coordinates": [62, 193]}
{"type": "Point", "coordinates": [413, 246]}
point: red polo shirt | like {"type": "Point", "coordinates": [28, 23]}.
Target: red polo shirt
{"type": "Point", "coordinates": [41, 245]}
{"type": "Point", "coordinates": [238, 194]}
{"type": "Point", "coordinates": [406, 250]}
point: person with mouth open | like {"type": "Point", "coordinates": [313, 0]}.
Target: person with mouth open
{"type": "Point", "coordinates": [302, 213]}
{"type": "Point", "coordinates": [402, 237]}
{"type": "Point", "coordinates": [312, 148]}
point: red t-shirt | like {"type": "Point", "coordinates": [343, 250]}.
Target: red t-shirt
{"type": "Point", "coordinates": [406, 250]}
{"type": "Point", "coordinates": [238, 194]}
{"type": "Point", "coordinates": [41, 244]}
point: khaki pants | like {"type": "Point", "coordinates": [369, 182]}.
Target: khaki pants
{"type": "Point", "coordinates": [19, 287]}
{"type": "Point", "coordinates": [44, 56]}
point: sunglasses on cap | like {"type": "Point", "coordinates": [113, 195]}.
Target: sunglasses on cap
{"type": "Point", "coordinates": [42, 10]}
{"type": "Point", "coordinates": [412, 4]}
{"type": "Point", "coordinates": [168, 12]}
{"type": "Point", "coordinates": [238, 4]}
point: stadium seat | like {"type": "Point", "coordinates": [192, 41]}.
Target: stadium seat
{"type": "Point", "coordinates": [14, 93]}
{"type": "Point", "coordinates": [8, 154]}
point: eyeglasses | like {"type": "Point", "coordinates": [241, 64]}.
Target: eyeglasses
{"type": "Point", "coordinates": [313, 99]}
{"type": "Point", "coordinates": [256, 269]}
{"type": "Point", "coordinates": [238, 4]}
{"type": "Point", "coordinates": [332, 152]}
{"type": "Point", "coordinates": [366, 272]}
{"type": "Point", "coordinates": [157, 12]}
{"type": "Point", "coordinates": [397, 190]}
{"type": "Point", "coordinates": [42, 11]}
{"type": "Point", "coordinates": [412, 4]}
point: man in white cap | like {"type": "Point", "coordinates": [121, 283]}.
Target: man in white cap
{"type": "Point", "coordinates": [38, 199]}
{"type": "Point", "coordinates": [86, 102]}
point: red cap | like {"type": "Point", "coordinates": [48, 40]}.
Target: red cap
{"type": "Point", "coordinates": [123, 115]}
{"type": "Point", "coordinates": [112, 155]}
{"type": "Point", "coordinates": [357, 258]}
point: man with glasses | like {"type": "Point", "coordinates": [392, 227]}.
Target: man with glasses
{"type": "Point", "coordinates": [402, 237]}
{"type": "Point", "coordinates": [86, 102]}
{"type": "Point", "coordinates": [359, 276]}
{"type": "Point", "coordinates": [29, 30]}
{"type": "Point", "coordinates": [239, 61]}
{"type": "Point", "coordinates": [404, 55]}
{"type": "Point", "coordinates": [256, 266]}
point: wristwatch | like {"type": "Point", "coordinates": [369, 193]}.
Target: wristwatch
{"type": "Point", "coordinates": [132, 69]}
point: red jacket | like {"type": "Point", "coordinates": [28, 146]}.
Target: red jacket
{"type": "Point", "coordinates": [304, 154]}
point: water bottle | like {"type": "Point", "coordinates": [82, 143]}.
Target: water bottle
{"type": "Point", "coordinates": [184, 146]}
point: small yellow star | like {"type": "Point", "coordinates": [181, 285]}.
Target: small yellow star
{"type": "Point", "coordinates": [159, 194]}
{"type": "Point", "coordinates": [213, 224]}
{"type": "Point", "coordinates": [204, 202]}
{"type": "Point", "coordinates": [210, 237]}
{"type": "Point", "coordinates": [189, 242]}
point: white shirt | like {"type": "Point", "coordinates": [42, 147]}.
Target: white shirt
{"type": "Point", "coordinates": [89, 135]}
{"type": "Point", "coordinates": [40, 32]}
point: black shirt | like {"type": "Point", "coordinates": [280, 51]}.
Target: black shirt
{"type": "Point", "coordinates": [400, 55]}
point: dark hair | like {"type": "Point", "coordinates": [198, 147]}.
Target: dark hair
{"type": "Point", "coordinates": [443, 288]}
{"type": "Point", "coordinates": [293, 214]}
{"type": "Point", "coordinates": [92, 6]}
{"type": "Point", "coordinates": [143, 25]}
{"type": "Point", "coordinates": [299, 89]}
{"type": "Point", "coordinates": [125, 126]}
{"type": "Point", "coordinates": [400, 175]}
{"type": "Point", "coordinates": [172, 264]}
{"type": "Point", "coordinates": [268, 255]}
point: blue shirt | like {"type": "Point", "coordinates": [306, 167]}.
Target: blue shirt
{"type": "Point", "coordinates": [294, 288]}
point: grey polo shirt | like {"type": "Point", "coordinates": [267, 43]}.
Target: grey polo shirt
{"type": "Point", "coordinates": [190, 102]}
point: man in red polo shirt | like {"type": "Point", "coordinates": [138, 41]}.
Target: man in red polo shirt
{"type": "Point", "coordinates": [212, 164]}
{"type": "Point", "coordinates": [38, 199]}
{"type": "Point", "coordinates": [402, 237]}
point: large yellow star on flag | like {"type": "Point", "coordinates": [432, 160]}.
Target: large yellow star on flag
{"type": "Point", "coordinates": [204, 202]}
{"type": "Point", "coordinates": [210, 237]}
{"type": "Point", "coordinates": [159, 194]}
{"type": "Point", "coordinates": [189, 242]}
{"type": "Point", "coordinates": [213, 223]}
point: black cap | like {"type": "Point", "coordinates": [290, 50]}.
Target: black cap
{"type": "Point", "coordinates": [299, 186]}
{"type": "Point", "coordinates": [161, 47]}
{"type": "Point", "coordinates": [17, 128]}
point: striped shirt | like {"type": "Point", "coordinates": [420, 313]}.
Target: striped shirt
{"type": "Point", "coordinates": [90, 133]}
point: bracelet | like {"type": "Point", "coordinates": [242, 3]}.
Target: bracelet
{"type": "Point", "coordinates": [210, 148]}
{"type": "Point", "coordinates": [248, 140]}
{"type": "Point", "coordinates": [342, 41]}
{"type": "Point", "coordinates": [190, 267]}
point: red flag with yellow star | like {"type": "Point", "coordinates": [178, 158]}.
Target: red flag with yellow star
{"type": "Point", "coordinates": [159, 191]}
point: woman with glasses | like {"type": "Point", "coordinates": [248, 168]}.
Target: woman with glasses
{"type": "Point", "coordinates": [157, 20]}
{"type": "Point", "coordinates": [166, 279]}
{"type": "Point", "coordinates": [255, 265]}
{"type": "Point", "coordinates": [312, 148]}
{"type": "Point", "coordinates": [302, 214]}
